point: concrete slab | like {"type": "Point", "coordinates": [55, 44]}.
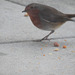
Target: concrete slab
{"type": "Point", "coordinates": [47, 2]}
{"type": "Point", "coordinates": [33, 58]}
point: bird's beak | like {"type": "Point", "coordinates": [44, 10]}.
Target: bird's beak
{"type": "Point", "coordinates": [23, 11]}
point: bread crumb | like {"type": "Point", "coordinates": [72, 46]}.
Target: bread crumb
{"type": "Point", "coordinates": [39, 63]}
{"type": "Point", "coordinates": [43, 54]}
{"type": "Point", "coordinates": [41, 48]}
{"type": "Point", "coordinates": [65, 40]}
{"type": "Point", "coordinates": [50, 53]}
{"type": "Point", "coordinates": [56, 49]}
{"type": "Point", "coordinates": [64, 46]}
{"type": "Point", "coordinates": [73, 51]}
{"type": "Point", "coordinates": [56, 44]}
{"type": "Point", "coordinates": [26, 15]}
{"type": "Point", "coordinates": [59, 58]}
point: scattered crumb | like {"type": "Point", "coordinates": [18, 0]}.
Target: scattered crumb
{"type": "Point", "coordinates": [50, 53]}
{"type": "Point", "coordinates": [41, 48]}
{"type": "Point", "coordinates": [56, 44]}
{"type": "Point", "coordinates": [64, 46]}
{"type": "Point", "coordinates": [43, 54]}
{"type": "Point", "coordinates": [26, 15]}
{"type": "Point", "coordinates": [56, 49]}
{"type": "Point", "coordinates": [65, 40]}
{"type": "Point", "coordinates": [59, 58]}
{"type": "Point", "coordinates": [73, 51]}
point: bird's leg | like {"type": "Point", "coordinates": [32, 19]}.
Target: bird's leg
{"type": "Point", "coordinates": [46, 37]}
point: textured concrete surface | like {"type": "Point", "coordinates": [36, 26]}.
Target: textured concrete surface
{"type": "Point", "coordinates": [49, 2]}
{"type": "Point", "coordinates": [26, 58]}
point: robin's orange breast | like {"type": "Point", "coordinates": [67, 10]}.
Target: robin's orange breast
{"type": "Point", "coordinates": [34, 16]}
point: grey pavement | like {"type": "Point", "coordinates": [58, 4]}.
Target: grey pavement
{"type": "Point", "coordinates": [34, 58]}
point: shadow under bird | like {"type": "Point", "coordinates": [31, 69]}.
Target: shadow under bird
{"type": "Point", "coordinates": [47, 18]}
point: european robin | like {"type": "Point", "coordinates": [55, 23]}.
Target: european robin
{"type": "Point", "coordinates": [46, 18]}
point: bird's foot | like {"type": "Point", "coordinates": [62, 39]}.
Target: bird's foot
{"type": "Point", "coordinates": [45, 38]}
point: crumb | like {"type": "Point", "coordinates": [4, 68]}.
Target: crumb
{"type": "Point", "coordinates": [65, 40]}
{"type": "Point", "coordinates": [43, 54]}
{"type": "Point", "coordinates": [50, 53]}
{"type": "Point", "coordinates": [26, 15]}
{"type": "Point", "coordinates": [56, 44]}
{"type": "Point", "coordinates": [39, 63]}
{"type": "Point", "coordinates": [73, 51]}
{"type": "Point", "coordinates": [41, 48]}
{"type": "Point", "coordinates": [59, 58]}
{"type": "Point", "coordinates": [56, 49]}
{"type": "Point", "coordinates": [64, 46]}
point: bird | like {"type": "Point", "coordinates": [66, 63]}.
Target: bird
{"type": "Point", "coordinates": [46, 17]}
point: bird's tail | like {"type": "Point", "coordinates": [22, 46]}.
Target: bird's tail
{"type": "Point", "coordinates": [70, 15]}
{"type": "Point", "coordinates": [72, 20]}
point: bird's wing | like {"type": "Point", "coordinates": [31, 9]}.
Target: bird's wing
{"type": "Point", "coordinates": [53, 15]}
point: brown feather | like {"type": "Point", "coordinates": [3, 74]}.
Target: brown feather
{"type": "Point", "coordinates": [70, 15]}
